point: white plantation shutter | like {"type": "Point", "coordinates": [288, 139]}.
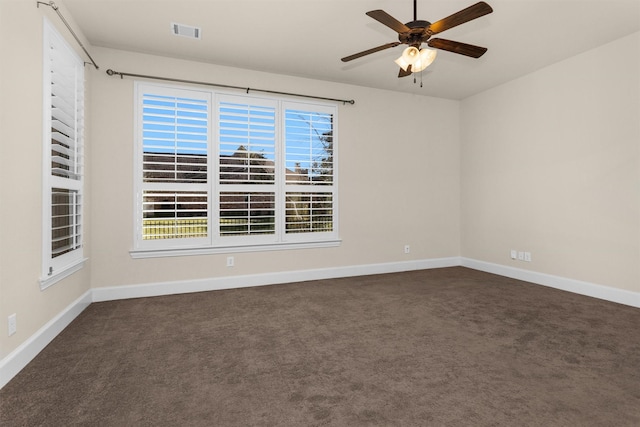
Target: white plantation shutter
{"type": "Point", "coordinates": [174, 130]}
{"type": "Point", "coordinates": [309, 169]}
{"type": "Point", "coordinates": [309, 146]}
{"type": "Point", "coordinates": [66, 224]}
{"type": "Point", "coordinates": [64, 147]}
{"type": "Point", "coordinates": [220, 172]}
{"type": "Point", "coordinates": [247, 172]}
{"type": "Point", "coordinates": [247, 213]}
{"type": "Point", "coordinates": [247, 141]}
{"type": "Point", "coordinates": [175, 139]}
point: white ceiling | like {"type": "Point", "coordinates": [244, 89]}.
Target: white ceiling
{"type": "Point", "coordinates": [307, 38]}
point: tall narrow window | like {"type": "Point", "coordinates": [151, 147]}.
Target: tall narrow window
{"type": "Point", "coordinates": [174, 169]}
{"type": "Point", "coordinates": [63, 148]}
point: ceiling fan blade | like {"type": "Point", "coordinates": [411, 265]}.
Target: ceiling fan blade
{"type": "Point", "coordinates": [388, 20]}
{"type": "Point", "coordinates": [369, 51]}
{"type": "Point", "coordinates": [465, 15]}
{"type": "Point", "coordinates": [457, 47]}
{"type": "Point", "coordinates": [404, 73]}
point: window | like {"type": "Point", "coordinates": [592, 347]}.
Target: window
{"type": "Point", "coordinates": [218, 172]}
{"type": "Point", "coordinates": [63, 153]}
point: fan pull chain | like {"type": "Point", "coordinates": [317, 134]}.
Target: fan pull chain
{"type": "Point", "coordinates": [414, 78]}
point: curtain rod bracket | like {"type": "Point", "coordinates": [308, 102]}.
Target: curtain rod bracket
{"type": "Point", "coordinates": [55, 7]}
{"type": "Point", "coordinates": [247, 89]}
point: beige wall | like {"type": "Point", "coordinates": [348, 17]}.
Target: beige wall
{"type": "Point", "coordinates": [398, 184]}
{"type": "Point", "coordinates": [21, 24]}
{"type": "Point", "coordinates": [550, 165]}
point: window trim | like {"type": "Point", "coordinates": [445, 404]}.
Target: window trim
{"type": "Point", "coordinates": [288, 241]}
{"type": "Point", "coordinates": [62, 266]}
{"type": "Point", "coordinates": [157, 253]}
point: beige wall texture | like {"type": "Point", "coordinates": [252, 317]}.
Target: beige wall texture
{"type": "Point", "coordinates": [21, 34]}
{"type": "Point", "coordinates": [550, 165]}
{"type": "Point", "coordinates": [398, 184]}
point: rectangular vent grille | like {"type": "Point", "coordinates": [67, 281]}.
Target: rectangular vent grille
{"type": "Point", "coordinates": [186, 31]}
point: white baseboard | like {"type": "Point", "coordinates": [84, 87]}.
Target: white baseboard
{"type": "Point", "coordinates": [21, 356]}
{"type": "Point", "coordinates": [230, 282]}
{"type": "Point", "coordinates": [606, 293]}
{"type": "Point", "coordinates": [15, 361]}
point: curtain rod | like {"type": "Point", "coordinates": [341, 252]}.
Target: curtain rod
{"type": "Point", "coordinates": [53, 6]}
{"type": "Point", "coordinates": [112, 73]}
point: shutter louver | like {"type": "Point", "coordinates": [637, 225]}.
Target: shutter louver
{"type": "Point", "coordinates": [174, 215]}
{"type": "Point", "coordinates": [67, 114]}
{"type": "Point", "coordinates": [247, 144]}
{"type": "Point", "coordinates": [175, 139]}
{"type": "Point", "coordinates": [309, 212]}
{"type": "Point", "coordinates": [309, 147]}
{"type": "Point", "coordinates": [247, 213]}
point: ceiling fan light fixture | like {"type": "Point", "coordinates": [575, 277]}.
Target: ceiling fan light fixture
{"type": "Point", "coordinates": [402, 63]}
{"type": "Point", "coordinates": [409, 56]}
{"type": "Point", "coordinates": [417, 32]}
{"type": "Point", "coordinates": [425, 58]}
{"type": "Point", "coordinates": [418, 59]}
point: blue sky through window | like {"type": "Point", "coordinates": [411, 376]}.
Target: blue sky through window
{"type": "Point", "coordinates": [174, 125]}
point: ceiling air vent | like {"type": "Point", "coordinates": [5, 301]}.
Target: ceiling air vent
{"type": "Point", "coordinates": [186, 31]}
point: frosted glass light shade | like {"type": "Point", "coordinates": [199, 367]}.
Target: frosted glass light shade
{"type": "Point", "coordinates": [409, 56]}
{"type": "Point", "coordinates": [425, 58]}
{"type": "Point", "coordinates": [418, 59]}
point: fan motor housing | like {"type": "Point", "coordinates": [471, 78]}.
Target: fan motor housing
{"type": "Point", "coordinates": [418, 33]}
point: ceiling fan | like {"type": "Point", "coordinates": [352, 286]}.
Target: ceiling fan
{"type": "Point", "coordinates": [417, 32]}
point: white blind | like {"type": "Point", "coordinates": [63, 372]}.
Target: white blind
{"type": "Point", "coordinates": [174, 130]}
{"type": "Point", "coordinates": [247, 213]}
{"type": "Point", "coordinates": [174, 214]}
{"type": "Point", "coordinates": [247, 143]}
{"type": "Point", "coordinates": [175, 139]}
{"type": "Point", "coordinates": [309, 147]}
{"type": "Point", "coordinates": [66, 224]}
{"type": "Point", "coordinates": [250, 171]}
{"type": "Point", "coordinates": [65, 144]}
{"type": "Point", "coordinates": [309, 212]}
{"type": "Point", "coordinates": [67, 112]}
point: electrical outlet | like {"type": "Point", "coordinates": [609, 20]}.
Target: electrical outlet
{"type": "Point", "coordinates": [514, 254]}
{"type": "Point", "coordinates": [230, 261]}
{"type": "Point", "coordinates": [407, 249]}
{"type": "Point", "coordinates": [13, 324]}
{"type": "Point", "coordinates": [527, 256]}
{"type": "Point", "coordinates": [521, 256]}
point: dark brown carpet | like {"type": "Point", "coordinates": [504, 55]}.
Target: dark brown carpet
{"type": "Point", "coordinates": [448, 346]}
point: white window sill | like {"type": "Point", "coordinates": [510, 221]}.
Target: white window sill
{"type": "Point", "coordinates": [62, 273]}
{"type": "Point", "coordinates": [157, 253]}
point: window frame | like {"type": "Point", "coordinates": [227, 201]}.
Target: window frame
{"type": "Point", "coordinates": [215, 243]}
{"type": "Point", "coordinates": [56, 268]}
{"type": "Point", "coordinates": [140, 186]}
